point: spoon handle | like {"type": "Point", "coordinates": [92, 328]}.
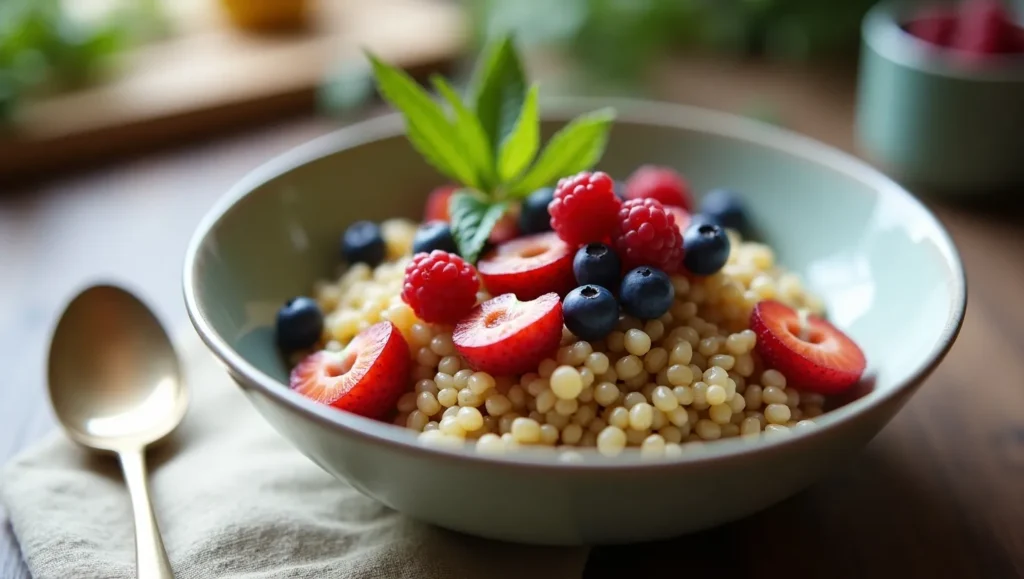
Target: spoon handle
{"type": "Point", "coordinates": [150, 557]}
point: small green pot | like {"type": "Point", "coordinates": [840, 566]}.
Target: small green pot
{"type": "Point", "coordinates": [932, 120]}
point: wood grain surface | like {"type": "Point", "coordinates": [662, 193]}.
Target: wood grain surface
{"type": "Point", "coordinates": [209, 76]}
{"type": "Point", "coordinates": [939, 493]}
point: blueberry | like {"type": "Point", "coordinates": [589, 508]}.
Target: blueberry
{"type": "Point", "coordinates": [597, 264]}
{"type": "Point", "coordinates": [590, 312]}
{"type": "Point", "coordinates": [646, 293]}
{"type": "Point", "coordinates": [434, 235]}
{"type": "Point", "coordinates": [363, 243]}
{"type": "Point", "coordinates": [299, 324]}
{"type": "Point", "coordinates": [533, 215]}
{"type": "Point", "coordinates": [705, 248]}
{"type": "Point", "coordinates": [725, 208]}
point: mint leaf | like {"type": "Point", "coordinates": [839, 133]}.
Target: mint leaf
{"type": "Point", "coordinates": [428, 129]}
{"type": "Point", "coordinates": [499, 89]}
{"type": "Point", "coordinates": [576, 147]}
{"type": "Point", "coordinates": [522, 143]}
{"type": "Point", "coordinates": [472, 220]}
{"type": "Point", "coordinates": [470, 132]}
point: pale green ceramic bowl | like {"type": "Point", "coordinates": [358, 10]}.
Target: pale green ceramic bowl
{"type": "Point", "coordinates": [888, 271]}
{"type": "Point", "coordinates": [931, 122]}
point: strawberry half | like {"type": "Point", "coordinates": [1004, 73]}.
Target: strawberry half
{"type": "Point", "coordinates": [682, 216]}
{"type": "Point", "coordinates": [365, 378]}
{"type": "Point", "coordinates": [529, 267]}
{"type": "Point", "coordinates": [437, 203]}
{"type": "Point", "coordinates": [506, 229]}
{"type": "Point", "coordinates": [506, 336]}
{"type": "Point", "coordinates": [813, 355]}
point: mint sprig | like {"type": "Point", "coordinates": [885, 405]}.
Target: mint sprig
{"type": "Point", "coordinates": [577, 147]}
{"type": "Point", "coordinates": [520, 145]}
{"type": "Point", "coordinates": [426, 124]}
{"type": "Point", "coordinates": [471, 133]}
{"type": "Point", "coordinates": [499, 89]}
{"type": "Point", "coordinates": [489, 143]}
{"type": "Point", "coordinates": [472, 220]}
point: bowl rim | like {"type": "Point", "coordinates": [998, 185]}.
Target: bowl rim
{"type": "Point", "coordinates": [882, 32]}
{"type": "Point", "coordinates": [633, 111]}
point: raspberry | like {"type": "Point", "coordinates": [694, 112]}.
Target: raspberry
{"type": "Point", "coordinates": [440, 287]}
{"type": "Point", "coordinates": [584, 208]}
{"type": "Point", "coordinates": [659, 183]}
{"type": "Point", "coordinates": [647, 235]}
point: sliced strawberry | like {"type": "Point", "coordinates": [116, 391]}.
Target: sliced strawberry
{"type": "Point", "coordinates": [506, 229]}
{"type": "Point", "coordinates": [437, 203]}
{"type": "Point", "coordinates": [813, 355]}
{"type": "Point", "coordinates": [365, 378]}
{"type": "Point", "coordinates": [506, 336]}
{"type": "Point", "coordinates": [682, 216]}
{"type": "Point", "coordinates": [529, 266]}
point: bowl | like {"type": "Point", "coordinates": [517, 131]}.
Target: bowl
{"type": "Point", "coordinates": [931, 120]}
{"type": "Point", "coordinates": [887, 271]}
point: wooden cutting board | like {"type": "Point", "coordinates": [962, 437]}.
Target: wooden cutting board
{"type": "Point", "coordinates": [210, 76]}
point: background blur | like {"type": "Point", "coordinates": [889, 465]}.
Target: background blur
{"type": "Point", "coordinates": [82, 80]}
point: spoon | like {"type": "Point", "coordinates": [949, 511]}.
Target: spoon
{"type": "Point", "coordinates": [116, 386]}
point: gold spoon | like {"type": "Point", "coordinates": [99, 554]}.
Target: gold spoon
{"type": "Point", "coordinates": [116, 386]}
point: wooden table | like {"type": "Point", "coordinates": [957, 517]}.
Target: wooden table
{"type": "Point", "coordinates": [209, 76]}
{"type": "Point", "coordinates": [939, 493]}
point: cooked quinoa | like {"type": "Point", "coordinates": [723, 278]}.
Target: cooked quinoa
{"type": "Point", "coordinates": [690, 375]}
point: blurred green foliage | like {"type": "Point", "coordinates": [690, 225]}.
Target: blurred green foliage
{"type": "Point", "coordinates": [43, 48]}
{"type": "Point", "coordinates": [617, 38]}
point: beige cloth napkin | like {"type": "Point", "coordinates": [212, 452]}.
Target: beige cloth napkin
{"type": "Point", "coordinates": [235, 500]}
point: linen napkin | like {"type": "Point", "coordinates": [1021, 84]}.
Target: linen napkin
{"type": "Point", "coordinates": [235, 500]}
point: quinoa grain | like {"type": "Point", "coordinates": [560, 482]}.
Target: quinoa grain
{"type": "Point", "coordinates": [690, 375]}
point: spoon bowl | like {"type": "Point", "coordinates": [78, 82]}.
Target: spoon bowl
{"type": "Point", "coordinates": [114, 377]}
{"type": "Point", "coordinates": [115, 384]}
